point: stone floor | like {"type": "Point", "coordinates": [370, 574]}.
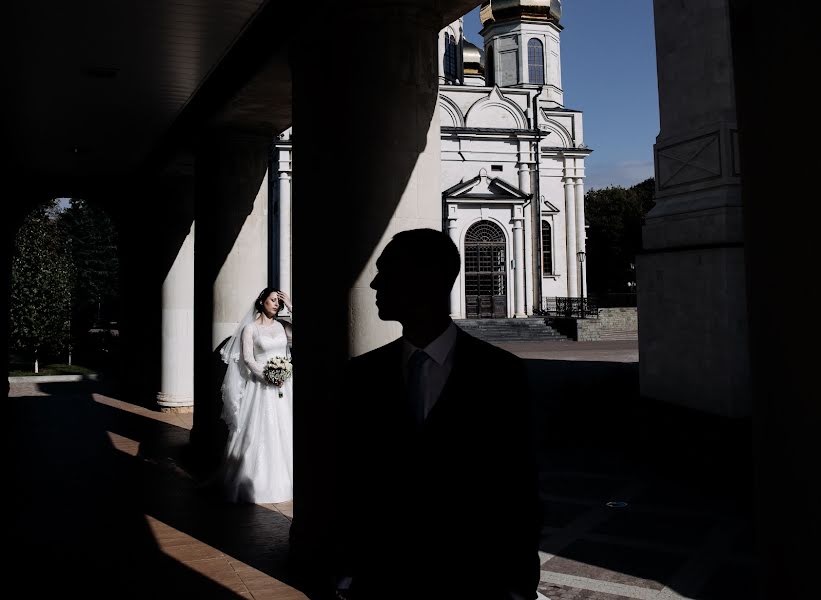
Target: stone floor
{"type": "Point", "coordinates": [99, 504]}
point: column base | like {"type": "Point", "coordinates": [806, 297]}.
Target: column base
{"type": "Point", "coordinates": [174, 403]}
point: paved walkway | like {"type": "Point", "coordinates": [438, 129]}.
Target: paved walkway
{"type": "Point", "coordinates": [98, 502]}
{"type": "Point", "coordinates": [605, 351]}
{"type": "Point", "coordinates": [99, 506]}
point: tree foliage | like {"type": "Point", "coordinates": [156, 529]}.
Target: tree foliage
{"type": "Point", "coordinates": [93, 240]}
{"type": "Point", "coordinates": [42, 279]}
{"type": "Point", "coordinates": [615, 216]}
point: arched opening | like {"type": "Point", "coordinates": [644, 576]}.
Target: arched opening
{"type": "Point", "coordinates": [547, 249]}
{"type": "Point", "coordinates": [485, 271]}
{"type": "Point", "coordinates": [535, 61]}
{"type": "Point", "coordinates": [489, 67]}
{"type": "Point", "coordinates": [450, 60]}
{"type": "Point", "coordinates": [64, 302]}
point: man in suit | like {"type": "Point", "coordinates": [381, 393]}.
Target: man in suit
{"type": "Point", "coordinates": [437, 490]}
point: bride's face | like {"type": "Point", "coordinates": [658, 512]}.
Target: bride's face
{"type": "Point", "coordinates": [271, 305]}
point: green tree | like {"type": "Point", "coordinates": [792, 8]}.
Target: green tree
{"type": "Point", "coordinates": [42, 276]}
{"type": "Point", "coordinates": [615, 216]}
{"type": "Point", "coordinates": [93, 240]}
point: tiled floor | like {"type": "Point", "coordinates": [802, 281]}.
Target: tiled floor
{"type": "Point", "coordinates": [99, 505]}
{"type": "Point", "coordinates": [685, 531]}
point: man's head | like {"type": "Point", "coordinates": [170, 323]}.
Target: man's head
{"type": "Point", "coordinates": [416, 272]}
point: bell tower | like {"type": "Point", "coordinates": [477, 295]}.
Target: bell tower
{"type": "Point", "coordinates": [522, 45]}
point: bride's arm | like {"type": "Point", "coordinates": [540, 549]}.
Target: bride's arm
{"type": "Point", "coordinates": [248, 351]}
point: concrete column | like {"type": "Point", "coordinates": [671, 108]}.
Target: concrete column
{"type": "Point", "coordinates": [780, 251]}
{"type": "Point", "coordinates": [581, 234]}
{"type": "Point", "coordinates": [691, 276]}
{"type": "Point", "coordinates": [456, 291]}
{"type": "Point", "coordinates": [385, 117]}
{"type": "Point", "coordinates": [284, 237]}
{"type": "Point", "coordinates": [527, 170]}
{"type": "Point", "coordinates": [570, 235]}
{"type": "Point", "coordinates": [231, 267]}
{"type": "Point", "coordinates": [524, 176]}
{"type": "Point", "coordinates": [519, 263]}
{"type": "Point", "coordinates": [177, 371]}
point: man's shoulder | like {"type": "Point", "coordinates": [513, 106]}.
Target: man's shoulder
{"type": "Point", "coordinates": [381, 354]}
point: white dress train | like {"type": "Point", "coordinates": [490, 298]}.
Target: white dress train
{"type": "Point", "coordinates": [259, 456]}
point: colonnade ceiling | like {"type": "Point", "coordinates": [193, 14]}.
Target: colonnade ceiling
{"type": "Point", "coordinates": [100, 89]}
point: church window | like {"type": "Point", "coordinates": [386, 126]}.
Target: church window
{"type": "Point", "coordinates": [495, 167]}
{"type": "Point", "coordinates": [489, 68]}
{"type": "Point", "coordinates": [450, 57]}
{"type": "Point", "coordinates": [547, 249]}
{"type": "Point", "coordinates": [535, 61]}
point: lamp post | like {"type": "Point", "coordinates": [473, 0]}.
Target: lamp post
{"type": "Point", "coordinates": [581, 255]}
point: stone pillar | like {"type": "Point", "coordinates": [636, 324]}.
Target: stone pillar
{"type": "Point", "coordinates": [231, 267]}
{"type": "Point", "coordinates": [780, 252]}
{"type": "Point", "coordinates": [385, 103]}
{"type": "Point", "coordinates": [456, 291]}
{"type": "Point", "coordinates": [284, 200]}
{"type": "Point", "coordinates": [526, 171]}
{"type": "Point", "coordinates": [570, 235]}
{"type": "Point", "coordinates": [581, 235]}
{"type": "Point", "coordinates": [177, 371]}
{"type": "Point", "coordinates": [519, 263]}
{"type": "Point", "coordinates": [690, 275]}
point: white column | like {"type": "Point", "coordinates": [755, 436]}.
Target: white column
{"type": "Point", "coordinates": [245, 270]}
{"type": "Point", "coordinates": [231, 266]}
{"type": "Point", "coordinates": [340, 227]}
{"type": "Point", "coordinates": [570, 235]}
{"type": "Point", "coordinates": [524, 175]}
{"type": "Point", "coordinates": [581, 232]}
{"type": "Point", "coordinates": [526, 169]}
{"type": "Point", "coordinates": [177, 372]}
{"type": "Point", "coordinates": [400, 144]}
{"type": "Point", "coordinates": [519, 264]}
{"type": "Point", "coordinates": [284, 237]}
{"type": "Point", "coordinates": [456, 290]}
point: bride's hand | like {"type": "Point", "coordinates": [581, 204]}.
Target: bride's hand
{"type": "Point", "coordinates": [285, 299]}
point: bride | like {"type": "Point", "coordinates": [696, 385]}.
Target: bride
{"type": "Point", "coordinates": [258, 464]}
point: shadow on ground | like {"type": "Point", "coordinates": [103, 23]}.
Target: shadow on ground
{"type": "Point", "coordinates": [686, 479]}
{"type": "Point", "coordinates": [80, 511]}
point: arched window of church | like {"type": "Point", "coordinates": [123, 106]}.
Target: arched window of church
{"type": "Point", "coordinates": [489, 73]}
{"type": "Point", "coordinates": [547, 249]}
{"type": "Point", "coordinates": [450, 57]}
{"type": "Point", "coordinates": [535, 61]}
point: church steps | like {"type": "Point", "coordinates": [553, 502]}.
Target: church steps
{"type": "Point", "coordinates": [510, 330]}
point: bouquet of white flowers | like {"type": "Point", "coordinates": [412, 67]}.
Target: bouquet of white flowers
{"type": "Point", "coordinates": [277, 371]}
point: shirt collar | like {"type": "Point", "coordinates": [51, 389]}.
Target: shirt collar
{"type": "Point", "coordinates": [439, 349]}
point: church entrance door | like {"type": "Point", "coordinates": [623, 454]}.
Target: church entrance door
{"type": "Point", "coordinates": [485, 271]}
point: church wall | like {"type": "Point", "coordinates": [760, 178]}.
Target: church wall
{"type": "Point", "coordinates": [465, 97]}
{"type": "Point", "coordinates": [552, 189]}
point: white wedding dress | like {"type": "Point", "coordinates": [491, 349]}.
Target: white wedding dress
{"type": "Point", "coordinates": [259, 456]}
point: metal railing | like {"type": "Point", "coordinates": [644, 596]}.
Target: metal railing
{"type": "Point", "coordinates": [572, 308]}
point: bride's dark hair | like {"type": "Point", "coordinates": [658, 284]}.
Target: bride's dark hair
{"type": "Point", "coordinates": [261, 299]}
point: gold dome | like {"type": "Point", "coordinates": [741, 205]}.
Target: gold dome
{"type": "Point", "coordinates": [542, 10]}
{"type": "Point", "coordinates": [473, 59]}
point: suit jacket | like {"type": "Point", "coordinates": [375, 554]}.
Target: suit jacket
{"type": "Point", "coordinates": [446, 509]}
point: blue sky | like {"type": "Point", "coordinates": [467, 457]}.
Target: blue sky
{"type": "Point", "coordinates": [609, 72]}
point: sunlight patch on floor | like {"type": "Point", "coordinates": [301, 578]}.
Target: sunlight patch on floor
{"type": "Point", "coordinates": [210, 562]}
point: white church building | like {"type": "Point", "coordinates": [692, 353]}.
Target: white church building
{"type": "Point", "coordinates": [512, 161]}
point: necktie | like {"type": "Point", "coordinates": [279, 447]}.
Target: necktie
{"type": "Point", "coordinates": [416, 383]}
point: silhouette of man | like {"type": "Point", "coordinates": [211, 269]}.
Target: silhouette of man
{"type": "Point", "coordinates": [437, 490]}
